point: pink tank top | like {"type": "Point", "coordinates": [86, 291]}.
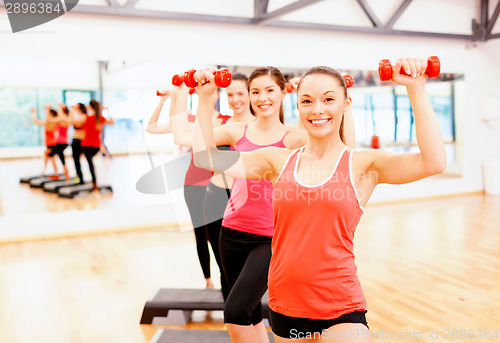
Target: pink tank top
{"type": "Point", "coordinates": [250, 207]}
{"type": "Point", "coordinates": [312, 273]}
{"type": "Point", "coordinates": [62, 135]}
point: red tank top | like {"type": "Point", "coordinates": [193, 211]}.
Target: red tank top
{"type": "Point", "coordinates": [250, 207]}
{"type": "Point", "coordinates": [312, 273]}
{"type": "Point", "coordinates": [92, 132]}
{"type": "Point", "coordinates": [198, 176]}
{"type": "Point", "coordinates": [50, 138]}
{"type": "Point", "coordinates": [62, 135]}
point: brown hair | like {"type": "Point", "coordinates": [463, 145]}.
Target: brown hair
{"type": "Point", "coordinates": [277, 76]}
{"type": "Point", "coordinates": [65, 110]}
{"type": "Point", "coordinates": [335, 74]}
{"type": "Point", "coordinates": [82, 108]}
{"type": "Point", "coordinates": [240, 77]}
{"type": "Point", "coordinates": [96, 106]}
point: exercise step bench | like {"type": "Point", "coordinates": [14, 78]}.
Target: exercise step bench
{"type": "Point", "coordinates": [75, 191]}
{"type": "Point", "coordinates": [53, 187]}
{"type": "Point", "coordinates": [41, 181]}
{"type": "Point", "coordinates": [194, 336]}
{"type": "Point", "coordinates": [174, 306]}
{"type": "Point", "coordinates": [27, 179]}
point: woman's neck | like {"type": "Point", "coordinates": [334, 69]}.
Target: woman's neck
{"type": "Point", "coordinates": [268, 123]}
{"type": "Point", "coordinates": [244, 117]}
{"type": "Point", "coordinates": [320, 147]}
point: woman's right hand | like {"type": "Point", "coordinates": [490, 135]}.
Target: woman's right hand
{"type": "Point", "coordinates": [206, 82]}
{"type": "Point", "coordinates": [165, 94]}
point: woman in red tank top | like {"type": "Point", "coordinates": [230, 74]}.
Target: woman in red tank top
{"type": "Point", "coordinates": [92, 124]}
{"type": "Point", "coordinates": [50, 125]}
{"type": "Point", "coordinates": [320, 191]}
{"type": "Point", "coordinates": [63, 123]}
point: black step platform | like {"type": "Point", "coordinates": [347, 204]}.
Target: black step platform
{"type": "Point", "coordinates": [78, 190]}
{"type": "Point", "coordinates": [194, 336]}
{"type": "Point", "coordinates": [41, 181]}
{"type": "Point", "coordinates": [27, 179]}
{"type": "Point", "coordinates": [182, 302]}
{"type": "Point", "coordinates": [53, 187]}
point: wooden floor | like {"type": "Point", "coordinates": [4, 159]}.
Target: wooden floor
{"type": "Point", "coordinates": [430, 271]}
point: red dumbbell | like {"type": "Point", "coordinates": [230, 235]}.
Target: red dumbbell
{"type": "Point", "coordinates": [288, 87]}
{"type": "Point", "coordinates": [433, 69]}
{"type": "Point", "coordinates": [223, 78]}
{"type": "Point", "coordinates": [177, 80]}
{"type": "Point", "coordinates": [349, 80]}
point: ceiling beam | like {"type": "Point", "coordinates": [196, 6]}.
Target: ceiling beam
{"type": "Point", "coordinates": [376, 31]}
{"type": "Point", "coordinates": [257, 9]}
{"type": "Point", "coordinates": [369, 12]}
{"type": "Point", "coordinates": [479, 32]}
{"type": "Point", "coordinates": [134, 12]}
{"type": "Point", "coordinates": [397, 14]}
{"type": "Point", "coordinates": [113, 3]}
{"type": "Point", "coordinates": [265, 5]}
{"type": "Point", "coordinates": [131, 3]}
{"type": "Point", "coordinates": [493, 19]}
{"type": "Point", "coordinates": [297, 5]}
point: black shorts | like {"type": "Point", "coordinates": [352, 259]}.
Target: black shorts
{"type": "Point", "coordinates": [291, 327]}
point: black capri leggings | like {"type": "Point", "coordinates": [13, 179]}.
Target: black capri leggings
{"type": "Point", "coordinates": [76, 146]}
{"type": "Point", "coordinates": [245, 258]}
{"type": "Point", "coordinates": [195, 196]}
{"type": "Point", "coordinates": [216, 199]}
{"type": "Point", "coordinates": [90, 152]}
{"type": "Point", "coordinates": [58, 150]}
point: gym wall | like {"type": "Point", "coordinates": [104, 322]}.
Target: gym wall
{"type": "Point", "coordinates": [172, 46]}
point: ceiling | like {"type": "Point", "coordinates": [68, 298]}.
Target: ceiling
{"type": "Point", "coordinates": [474, 20]}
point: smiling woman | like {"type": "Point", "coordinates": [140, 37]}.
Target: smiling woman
{"type": "Point", "coordinates": [313, 283]}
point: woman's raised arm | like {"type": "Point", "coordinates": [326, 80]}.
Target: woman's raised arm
{"type": "Point", "coordinates": [247, 165]}
{"type": "Point", "coordinates": [431, 160]}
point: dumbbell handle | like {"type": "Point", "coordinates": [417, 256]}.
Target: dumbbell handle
{"type": "Point", "coordinates": [223, 78]}
{"type": "Point", "coordinates": [433, 69]}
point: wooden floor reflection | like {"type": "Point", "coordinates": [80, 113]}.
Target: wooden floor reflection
{"type": "Point", "coordinates": [428, 267]}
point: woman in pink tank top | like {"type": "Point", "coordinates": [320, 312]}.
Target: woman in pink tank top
{"type": "Point", "coordinates": [320, 191]}
{"type": "Point", "coordinates": [247, 227]}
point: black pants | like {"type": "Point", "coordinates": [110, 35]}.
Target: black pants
{"type": "Point", "coordinates": [292, 327]}
{"type": "Point", "coordinates": [90, 152]}
{"type": "Point", "coordinates": [76, 146]}
{"type": "Point", "coordinates": [245, 258]}
{"type": "Point", "coordinates": [58, 150]}
{"type": "Point", "coordinates": [215, 203]}
{"type": "Point", "coordinates": [195, 197]}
